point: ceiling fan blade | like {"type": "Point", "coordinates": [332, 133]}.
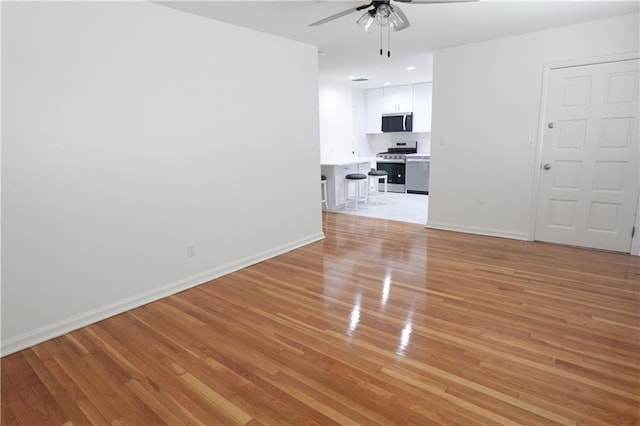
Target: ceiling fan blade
{"type": "Point", "coordinates": [435, 1]}
{"type": "Point", "coordinates": [336, 16]}
{"type": "Point", "coordinates": [402, 16]}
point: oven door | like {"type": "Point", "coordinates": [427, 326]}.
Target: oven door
{"type": "Point", "coordinates": [396, 171]}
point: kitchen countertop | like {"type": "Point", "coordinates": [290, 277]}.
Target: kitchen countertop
{"type": "Point", "coordinates": [347, 161]}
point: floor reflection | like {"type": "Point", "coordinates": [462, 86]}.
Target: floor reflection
{"type": "Point", "coordinates": [405, 335]}
{"type": "Point", "coordinates": [386, 289]}
{"type": "Point", "coordinates": [362, 269]}
{"type": "Point", "coordinates": [355, 314]}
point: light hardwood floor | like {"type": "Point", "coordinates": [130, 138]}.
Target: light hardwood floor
{"type": "Point", "coordinates": [383, 322]}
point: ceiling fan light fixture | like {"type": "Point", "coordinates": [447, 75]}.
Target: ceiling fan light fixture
{"type": "Point", "coordinates": [366, 21]}
{"type": "Point", "coordinates": [383, 15]}
{"type": "Point", "coordinates": [395, 21]}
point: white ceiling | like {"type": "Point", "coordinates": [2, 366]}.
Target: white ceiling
{"type": "Point", "coordinates": [351, 51]}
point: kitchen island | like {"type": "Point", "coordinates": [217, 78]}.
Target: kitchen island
{"type": "Point", "coordinates": [336, 169]}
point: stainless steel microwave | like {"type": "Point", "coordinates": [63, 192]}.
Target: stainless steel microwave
{"type": "Point", "coordinates": [397, 122]}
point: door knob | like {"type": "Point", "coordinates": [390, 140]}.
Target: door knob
{"type": "Point", "coordinates": [547, 166]}
{"type": "Point", "coordinates": [551, 125]}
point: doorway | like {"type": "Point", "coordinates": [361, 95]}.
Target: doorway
{"type": "Point", "coordinates": [589, 173]}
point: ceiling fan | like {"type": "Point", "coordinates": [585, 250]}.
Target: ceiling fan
{"type": "Point", "coordinates": [383, 14]}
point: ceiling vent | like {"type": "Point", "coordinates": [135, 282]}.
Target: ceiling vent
{"type": "Point", "coordinates": [360, 79]}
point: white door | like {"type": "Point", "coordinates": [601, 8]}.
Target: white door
{"type": "Point", "coordinates": [589, 170]}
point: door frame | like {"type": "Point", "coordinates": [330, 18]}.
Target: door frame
{"type": "Point", "coordinates": [546, 74]}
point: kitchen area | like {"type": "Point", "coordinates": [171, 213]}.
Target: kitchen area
{"type": "Point", "coordinates": [387, 129]}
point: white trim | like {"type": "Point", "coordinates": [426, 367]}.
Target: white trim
{"type": "Point", "coordinates": [67, 325]}
{"type": "Point", "coordinates": [634, 250]}
{"type": "Point", "coordinates": [626, 56]}
{"type": "Point", "coordinates": [477, 230]}
{"type": "Point", "coordinates": [548, 66]}
{"type": "Point", "coordinates": [535, 192]}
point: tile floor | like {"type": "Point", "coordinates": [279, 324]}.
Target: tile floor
{"type": "Point", "coordinates": [394, 206]}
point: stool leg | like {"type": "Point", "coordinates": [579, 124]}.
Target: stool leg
{"type": "Point", "coordinates": [323, 187]}
{"type": "Point", "coordinates": [346, 194]}
{"type": "Point", "coordinates": [375, 190]}
{"type": "Point", "coordinates": [324, 193]}
{"type": "Point", "coordinates": [366, 185]}
{"type": "Point", "coordinates": [368, 189]}
{"type": "Point", "coordinates": [357, 195]}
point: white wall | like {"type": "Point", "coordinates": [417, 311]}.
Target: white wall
{"type": "Point", "coordinates": [380, 142]}
{"type": "Point", "coordinates": [131, 130]}
{"type": "Point", "coordinates": [486, 101]}
{"type": "Point", "coordinates": [336, 120]}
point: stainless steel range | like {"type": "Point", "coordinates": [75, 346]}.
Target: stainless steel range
{"type": "Point", "coordinates": [394, 163]}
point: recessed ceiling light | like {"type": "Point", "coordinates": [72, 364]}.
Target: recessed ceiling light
{"type": "Point", "coordinates": [352, 77]}
{"type": "Point", "coordinates": [387, 83]}
{"type": "Point", "coordinates": [411, 68]}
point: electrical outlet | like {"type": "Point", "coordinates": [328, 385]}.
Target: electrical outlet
{"type": "Point", "coordinates": [191, 250]}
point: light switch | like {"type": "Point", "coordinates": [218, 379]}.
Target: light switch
{"type": "Point", "coordinates": [530, 137]}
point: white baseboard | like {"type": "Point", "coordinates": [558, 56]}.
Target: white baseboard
{"type": "Point", "coordinates": [67, 325]}
{"type": "Point", "coordinates": [478, 231]}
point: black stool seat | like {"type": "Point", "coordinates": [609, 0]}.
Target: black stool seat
{"type": "Point", "coordinates": [355, 176]}
{"type": "Point", "coordinates": [323, 177]}
{"type": "Point", "coordinates": [375, 172]}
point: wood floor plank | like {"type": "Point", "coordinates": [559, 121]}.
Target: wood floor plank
{"type": "Point", "coordinates": [30, 402]}
{"type": "Point", "coordinates": [57, 391]}
{"type": "Point", "coordinates": [381, 322]}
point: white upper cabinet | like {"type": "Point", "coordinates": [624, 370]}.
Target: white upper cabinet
{"type": "Point", "coordinates": [422, 94]}
{"type": "Point", "coordinates": [374, 111]}
{"type": "Point", "coordinates": [411, 98]}
{"type": "Point", "coordinates": [398, 99]}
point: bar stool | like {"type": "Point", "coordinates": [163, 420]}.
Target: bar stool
{"type": "Point", "coordinates": [377, 176]}
{"type": "Point", "coordinates": [357, 179]}
{"type": "Point", "coordinates": [323, 186]}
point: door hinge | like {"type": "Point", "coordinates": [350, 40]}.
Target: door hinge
{"type": "Point", "coordinates": [633, 231]}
